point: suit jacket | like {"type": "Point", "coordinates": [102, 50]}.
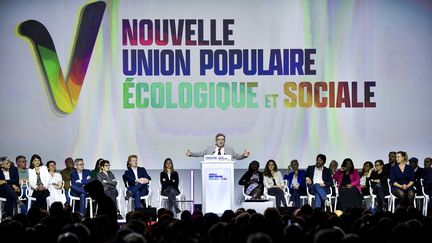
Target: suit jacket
{"type": "Point", "coordinates": [300, 179]}
{"type": "Point", "coordinates": [44, 175]}
{"type": "Point", "coordinates": [326, 174]}
{"type": "Point", "coordinates": [166, 182]}
{"type": "Point", "coordinates": [354, 177]}
{"type": "Point", "coordinates": [129, 176]}
{"type": "Point", "coordinates": [13, 177]}
{"type": "Point", "coordinates": [211, 149]}
{"type": "Point", "coordinates": [75, 178]}
{"type": "Point", "coordinates": [110, 180]}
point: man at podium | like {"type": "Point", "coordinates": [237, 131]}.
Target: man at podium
{"type": "Point", "coordinates": [219, 149]}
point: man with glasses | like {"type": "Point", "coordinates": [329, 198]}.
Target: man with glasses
{"type": "Point", "coordinates": [220, 149]}
{"type": "Point", "coordinates": [378, 180]}
{"type": "Point", "coordinates": [109, 183]}
{"type": "Point", "coordinates": [7, 190]}
{"type": "Point", "coordinates": [23, 175]}
{"type": "Point", "coordinates": [80, 177]}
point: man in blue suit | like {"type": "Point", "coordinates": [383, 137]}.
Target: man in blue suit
{"type": "Point", "coordinates": [319, 180]}
{"type": "Point", "coordinates": [137, 180]}
{"type": "Point", "coordinates": [80, 177]}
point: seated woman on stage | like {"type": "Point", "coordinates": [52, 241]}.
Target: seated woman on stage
{"type": "Point", "coordinates": [364, 177]}
{"type": "Point", "coordinates": [252, 181]}
{"type": "Point", "coordinates": [55, 184]}
{"type": "Point", "coordinates": [169, 180]}
{"type": "Point", "coordinates": [378, 180]}
{"type": "Point", "coordinates": [274, 183]}
{"type": "Point", "coordinates": [402, 180]}
{"type": "Point", "coordinates": [38, 182]}
{"type": "Point", "coordinates": [348, 181]}
{"type": "Point", "coordinates": [296, 182]}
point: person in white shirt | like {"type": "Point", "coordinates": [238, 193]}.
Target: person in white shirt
{"type": "Point", "coordinates": [55, 185]}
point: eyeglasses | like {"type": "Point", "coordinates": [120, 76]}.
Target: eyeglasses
{"type": "Point", "coordinates": [377, 165]}
{"type": "Point", "coordinates": [81, 164]}
{"type": "Point", "coordinates": [107, 165]}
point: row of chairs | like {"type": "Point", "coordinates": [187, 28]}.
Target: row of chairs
{"type": "Point", "coordinates": [25, 197]}
{"type": "Point", "coordinates": [304, 198]}
{"type": "Point", "coordinates": [331, 201]}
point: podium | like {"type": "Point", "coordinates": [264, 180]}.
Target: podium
{"type": "Point", "coordinates": [217, 183]}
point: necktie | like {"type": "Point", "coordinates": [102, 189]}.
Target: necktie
{"type": "Point", "coordinates": [219, 153]}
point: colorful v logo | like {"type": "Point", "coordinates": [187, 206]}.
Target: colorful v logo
{"type": "Point", "coordinates": [65, 92]}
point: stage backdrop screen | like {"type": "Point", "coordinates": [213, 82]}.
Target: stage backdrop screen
{"type": "Point", "coordinates": [282, 79]}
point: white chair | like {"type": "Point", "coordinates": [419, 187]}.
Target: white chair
{"type": "Point", "coordinates": [393, 197]}
{"type": "Point", "coordinates": [89, 202]}
{"type": "Point", "coordinates": [327, 202]}
{"type": "Point", "coordinates": [2, 200]}
{"type": "Point", "coordinates": [30, 199]}
{"type": "Point", "coordinates": [286, 193]}
{"type": "Point", "coordinates": [336, 196]}
{"type": "Point", "coordinates": [129, 203]}
{"type": "Point", "coordinates": [374, 197]}
{"type": "Point", "coordinates": [426, 198]}
{"type": "Point", "coordinates": [165, 198]}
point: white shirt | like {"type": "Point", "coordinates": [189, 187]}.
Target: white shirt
{"type": "Point", "coordinates": [216, 152]}
{"type": "Point", "coordinates": [294, 181]}
{"type": "Point", "coordinates": [80, 175]}
{"type": "Point", "coordinates": [6, 174]}
{"type": "Point", "coordinates": [135, 171]}
{"type": "Point", "coordinates": [317, 178]}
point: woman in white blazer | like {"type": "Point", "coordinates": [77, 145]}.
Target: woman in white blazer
{"type": "Point", "coordinates": [38, 182]}
{"type": "Point", "coordinates": [274, 183]}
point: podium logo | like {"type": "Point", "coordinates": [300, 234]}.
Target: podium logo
{"type": "Point", "coordinates": [64, 90]}
{"type": "Point", "coordinates": [215, 176]}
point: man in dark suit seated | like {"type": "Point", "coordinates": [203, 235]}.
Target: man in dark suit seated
{"type": "Point", "coordinates": [319, 180]}
{"type": "Point", "coordinates": [137, 181]}
{"type": "Point", "coordinates": [7, 189]}
{"type": "Point", "coordinates": [219, 149]}
{"type": "Point", "coordinates": [80, 177]}
{"type": "Point", "coordinates": [418, 174]}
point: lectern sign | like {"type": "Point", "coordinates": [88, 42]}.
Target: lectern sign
{"type": "Point", "coordinates": [217, 177]}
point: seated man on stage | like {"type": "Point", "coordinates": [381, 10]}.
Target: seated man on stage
{"type": "Point", "coordinates": [219, 149]}
{"type": "Point", "coordinates": [6, 190]}
{"type": "Point", "coordinates": [319, 180]}
{"type": "Point", "coordinates": [80, 177]}
{"type": "Point", "coordinates": [137, 180]}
